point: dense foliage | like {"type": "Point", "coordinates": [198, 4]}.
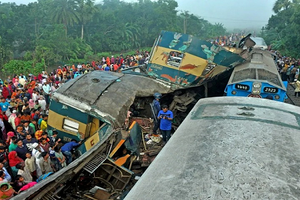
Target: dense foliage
{"type": "Point", "coordinates": [282, 29]}
{"type": "Point", "coordinates": [53, 31]}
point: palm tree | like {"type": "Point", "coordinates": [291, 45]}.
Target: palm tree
{"type": "Point", "coordinates": [283, 5]}
{"type": "Point", "coordinates": [85, 10]}
{"type": "Point", "coordinates": [65, 13]}
{"type": "Point", "coordinates": [130, 32]}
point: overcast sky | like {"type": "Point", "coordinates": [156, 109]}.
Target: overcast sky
{"type": "Point", "coordinates": [231, 13]}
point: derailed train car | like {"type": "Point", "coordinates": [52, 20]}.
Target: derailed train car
{"type": "Point", "coordinates": [258, 77]}
{"type": "Point", "coordinates": [185, 60]}
{"type": "Point", "coordinates": [94, 108]}
{"type": "Point", "coordinates": [93, 105]}
{"type": "Point", "coordinates": [228, 148]}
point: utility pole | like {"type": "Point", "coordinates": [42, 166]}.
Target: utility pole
{"type": "Point", "coordinates": [184, 24]}
{"type": "Point", "coordinates": [185, 15]}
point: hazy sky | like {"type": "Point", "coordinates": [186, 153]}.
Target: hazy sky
{"type": "Point", "coordinates": [232, 13]}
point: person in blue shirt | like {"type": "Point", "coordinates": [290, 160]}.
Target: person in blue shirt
{"type": "Point", "coordinates": [67, 148]}
{"type": "Point", "coordinates": [166, 117]}
{"type": "Point", "coordinates": [4, 105]}
{"type": "Point", "coordinates": [156, 108]}
{"type": "Point", "coordinates": [107, 68]}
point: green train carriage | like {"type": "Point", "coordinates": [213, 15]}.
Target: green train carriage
{"type": "Point", "coordinates": [92, 106]}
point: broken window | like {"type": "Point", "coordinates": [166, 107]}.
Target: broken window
{"type": "Point", "coordinates": [175, 58]}
{"type": "Point", "coordinates": [70, 125]}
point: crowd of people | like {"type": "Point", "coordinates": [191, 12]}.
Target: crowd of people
{"type": "Point", "coordinates": [289, 71]}
{"type": "Point", "coordinates": [228, 40]}
{"type": "Point", "coordinates": [28, 152]}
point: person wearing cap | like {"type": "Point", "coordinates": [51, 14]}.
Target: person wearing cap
{"type": "Point", "coordinates": [156, 109]}
{"type": "Point", "coordinates": [28, 129]}
{"type": "Point", "coordinates": [36, 153]}
{"type": "Point", "coordinates": [11, 119]}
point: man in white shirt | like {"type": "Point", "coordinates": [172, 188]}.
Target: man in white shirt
{"type": "Point", "coordinates": [47, 91]}
{"type": "Point", "coordinates": [42, 103]}
{"type": "Point", "coordinates": [35, 95]}
{"type": "Point", "coordinates": [79, 67]}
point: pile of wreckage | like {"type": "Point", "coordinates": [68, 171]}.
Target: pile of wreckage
{"type": "Point", "coordinates": [150, 146]}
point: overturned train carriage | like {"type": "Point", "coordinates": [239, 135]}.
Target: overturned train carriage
{"type": "Point", "coordinates": [187, 61]}
{"type": "Point", "coordinates": [94, 108]}
{"type": "Point", "coordinates": [228, 148]}
{"type": "Point", "coordinates": [91, 106]}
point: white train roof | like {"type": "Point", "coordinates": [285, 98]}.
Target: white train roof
{"type": "Point", "coordinates": [228, 148]}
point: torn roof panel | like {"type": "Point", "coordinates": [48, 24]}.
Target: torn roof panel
{"type": "Point", "coordinates": [112, 96]}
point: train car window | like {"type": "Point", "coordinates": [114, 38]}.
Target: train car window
{"type": "Point", "coordinates": [244, 74]}
{"type": "Point", "coordinates": [268, 76]}
{"type": "Point", "coordinates": [70, 125]}
{"type": "Point", "coordinates": [175, 58]}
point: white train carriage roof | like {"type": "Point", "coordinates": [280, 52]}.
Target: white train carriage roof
{"type": "Point", "coordinates": [107, 94]}
{"type": "Point", "coordinates": [228, 148]}
{"type": "Point", "coordinates": [261, 67]}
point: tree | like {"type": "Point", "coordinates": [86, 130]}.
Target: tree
{"type": "Point", "coordinates": [282, 28]}
{"type": "Point", "coordinates": [49, 32]}
{"type": "Point", "coordinates": [281, 5]}
{"type": "Point", "coordinates": [64, 13]}
{"type": "Point", "coordinates": [85, 9]}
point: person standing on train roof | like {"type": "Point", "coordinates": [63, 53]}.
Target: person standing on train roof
{"type": "Point", "coordinates": [166, 117]}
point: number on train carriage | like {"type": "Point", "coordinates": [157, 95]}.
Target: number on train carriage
{"type": "Point", "coordinates": [270, 90]}
{"type": "Point", "coordinates": [242, 87]}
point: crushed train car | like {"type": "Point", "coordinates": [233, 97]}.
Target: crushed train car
{"type": "Point", "coordinates": [185, 60]}
{"type": "Point", "coordinates": [94, 108]}
{"type": "Point", "coordinates": [97, 103]}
